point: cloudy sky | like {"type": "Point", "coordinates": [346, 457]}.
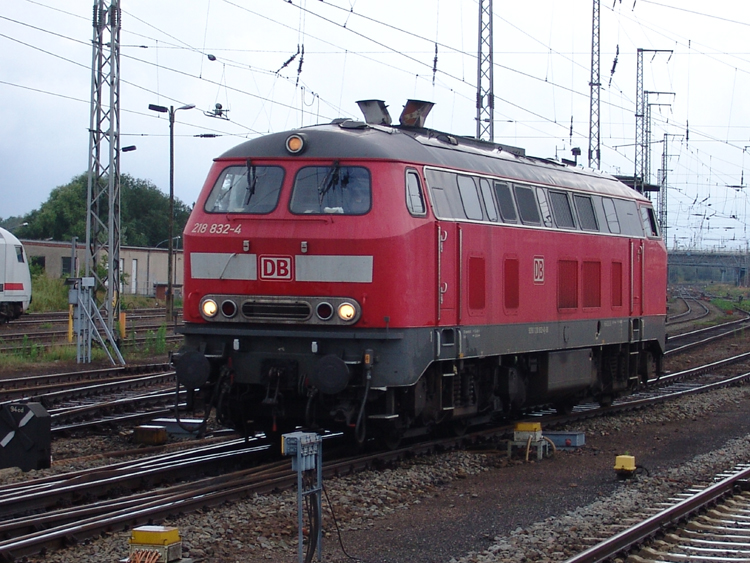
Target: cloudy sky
{"type": "Point", "coordinates": [233, 52]}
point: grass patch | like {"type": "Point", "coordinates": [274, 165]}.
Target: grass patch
{"type": "Point", "coordinates": [49, 294]}
{"type": "Point", "coordinates": [30, 353]}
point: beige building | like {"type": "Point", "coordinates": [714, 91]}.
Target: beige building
{"type": "Point", "coordinates": [145, 269]}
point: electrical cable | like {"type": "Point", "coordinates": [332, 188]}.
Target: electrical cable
{"type": "Point", "coordinates": [338, 529]}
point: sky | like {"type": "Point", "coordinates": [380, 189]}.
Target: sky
{"type": "Point", "coordinates": [233, 52]}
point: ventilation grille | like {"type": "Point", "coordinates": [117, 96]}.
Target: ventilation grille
{"type": "Point", "coordinates": [277, 310]}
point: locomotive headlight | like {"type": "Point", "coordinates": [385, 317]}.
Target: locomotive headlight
{"type": "Point", "coordinates": [295, 143]}
{"type": "Point", "coordinates": [346, 311]}
{"type": "Point", "coordinates": [209, 308]}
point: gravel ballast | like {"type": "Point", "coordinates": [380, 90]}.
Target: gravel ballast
{"type": "Point", "coordinates": [478, 506]}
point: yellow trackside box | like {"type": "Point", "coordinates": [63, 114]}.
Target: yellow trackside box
{"type": "Point", "coordinates": [165, 540]}
{"type": "Point", "coordinates": [525, 430]}
{"type": "Point", "coordinates": [625, 463]}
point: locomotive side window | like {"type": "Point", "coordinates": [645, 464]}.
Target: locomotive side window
{"type": "Point", "coordinates": [246, 189]}
{"type": "Point", "coordinates": [586, 212]}
{"type": "Point", "coordinates": [544, 206]}
{"type": "Point", "coordinates": [611, 215]}
{"type": "Point", "coordinates": [649, 222]}
{"type": "Point", "coordinates": [562, 210]}
{"type": "Point", "coordinates": [469, 197]}
{"type": "Point", "coordinates": [630, 220]}
{"type": "Point", "coordinates": [505, 200]}
{"type": "Point", "coordinates": [19, 254]}
{"type": "Point", "coordinates": [322, 190]}
{"type": "Point", "coordinates": [489, 203]}
{"type": "Point", "coordinates": [445, 195]}
{"type": "Point", "coordinates": [527, 205]}
{"type": "Point", "coordinates": [414, 197]}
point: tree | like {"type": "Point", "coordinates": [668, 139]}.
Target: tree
{"type": "Point", "coordinates": [144, 213]}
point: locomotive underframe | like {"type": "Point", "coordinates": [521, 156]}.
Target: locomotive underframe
{"type": "Point", "coordinates": [403, 381]}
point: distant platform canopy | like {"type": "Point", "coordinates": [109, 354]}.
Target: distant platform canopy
{"type": "Point", "coordinates": [631, 180]}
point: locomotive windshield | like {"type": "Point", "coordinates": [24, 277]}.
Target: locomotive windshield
{"type": "Point", "coordinates": [246, 189]}
{"type": "Point", "coordinates": [331, 189]}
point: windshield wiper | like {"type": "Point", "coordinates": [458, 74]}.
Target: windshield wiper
{"type": "Point", "coordinates": [252, 180]}
{"type": "Point", "coordinates": [330, 180]}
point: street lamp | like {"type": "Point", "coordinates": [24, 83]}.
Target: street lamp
{"type": "Point", "coordinates": [170, 250]}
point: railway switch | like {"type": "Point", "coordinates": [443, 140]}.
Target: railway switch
{"type": "Point", "coordinates": [148, 541]}
{"type": "Point", "coordinates": [25, 436]}
{"type": "Point", "coordinates": [625, 466]}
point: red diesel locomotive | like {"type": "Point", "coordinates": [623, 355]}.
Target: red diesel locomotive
{"type": "Point", "coordinates": [396, 279]}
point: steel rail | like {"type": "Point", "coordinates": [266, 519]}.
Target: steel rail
{"type": "Point", "coordinates": [627, 540]}
{"type": "Point", "coordinates": [118, 384]}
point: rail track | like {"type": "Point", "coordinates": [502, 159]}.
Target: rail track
{"type": "Point", "coordinates": [711, 524]}
{"type": "Point", "coordinates": [690, 314]}
{"type": "Point", "coordinates": [150, 499]}
{"type": "Point", "coordinates": [689, 340]}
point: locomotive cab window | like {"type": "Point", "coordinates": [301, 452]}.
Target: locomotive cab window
{"type": "Point", "coordinates": [505, 201]}
{"type": "Point", "coordinates": [335, 189]}
{"type": "Point", "coordinates": [414, 198]}
{"type": "Point", "coordinates": [19, 254]}
{"type": "Point", "coordinates": [246, 189]}
{"type": "Point", "coordinates": [649, 222]}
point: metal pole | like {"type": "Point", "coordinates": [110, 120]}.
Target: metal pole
{"type": "Point", "coordinates": [171, 212]}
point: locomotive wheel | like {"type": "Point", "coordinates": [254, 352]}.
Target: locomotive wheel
{"type": "Point", "coordinates": [392, 439]}
{"type": "Point", "coordinates": [460, 426]}
{"type": "Point", "coordinates": [606, 400]}
{"type": "Point", "coordinates": [564, 408]}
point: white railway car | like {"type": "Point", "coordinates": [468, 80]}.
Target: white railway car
{"type": "Point", "coordinates": [15, 279]}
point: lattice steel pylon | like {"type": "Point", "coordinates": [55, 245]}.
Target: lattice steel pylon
{"type": "Point", "coordinates": [103, 192]}
{"type": "Point", "coordinates": [641, 140]}
{"type": "Point", "coordinates": [640, 128]}
{"type": "Point", "coordinates": [663, 190]}
{"type": "Point", "coordinates": [595, 85]}
{"type": "Point", "coordinates": [485, 75]}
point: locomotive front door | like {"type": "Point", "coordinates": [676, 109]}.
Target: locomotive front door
{"type": "Point", "coordinates": [637, 263]}
{"type": "Point", "coordinates": [449, 266]}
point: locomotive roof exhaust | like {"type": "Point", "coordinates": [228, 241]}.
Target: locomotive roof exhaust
{"type": "Point", "coordinates": [414, 114]}
{"type": "Point", "coordinates": [375, 112]}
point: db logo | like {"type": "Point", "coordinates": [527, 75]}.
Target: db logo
{"type": "Point", "coordinates": [276, 267]}
{"type": "Point", "coordinates": [538, 269]}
